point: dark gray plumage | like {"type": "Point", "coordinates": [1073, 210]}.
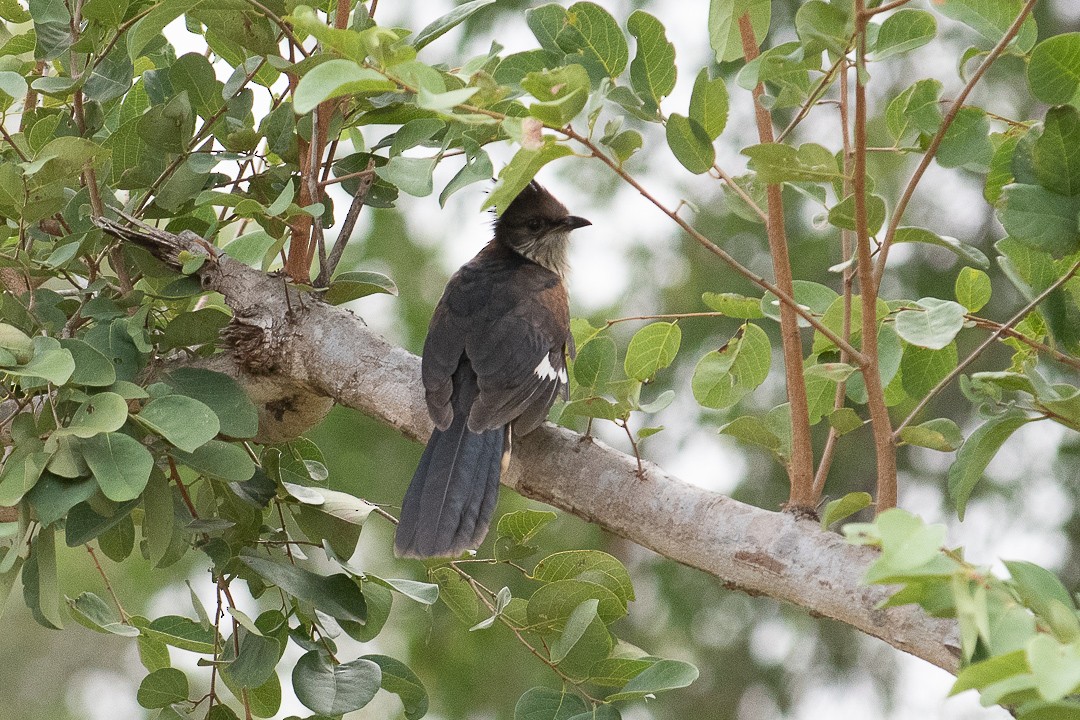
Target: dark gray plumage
{"type": "Point", "coordinates": [494, 360]}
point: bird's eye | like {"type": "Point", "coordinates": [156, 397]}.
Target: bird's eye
{"type": "Point", "coordinates": [534, 224]}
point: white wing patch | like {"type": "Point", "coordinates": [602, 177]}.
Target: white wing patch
{"type": "Point", "coordinates": [545, 371]}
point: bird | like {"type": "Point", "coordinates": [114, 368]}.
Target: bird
{"type": "Point", "coordinates": [494, 362]}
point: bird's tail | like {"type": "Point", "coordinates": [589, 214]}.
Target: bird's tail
{"type": "Point", "coordinates": [448, 506]}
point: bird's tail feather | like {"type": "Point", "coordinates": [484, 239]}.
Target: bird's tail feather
{"type": "Point", "coordinates": [448, 506]}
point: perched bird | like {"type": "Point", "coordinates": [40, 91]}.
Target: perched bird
{"type": "Point", "coordinates": [494, 361]}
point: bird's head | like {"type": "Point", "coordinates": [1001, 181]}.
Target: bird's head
{"type": "Point", "coordinates": [537, 226]}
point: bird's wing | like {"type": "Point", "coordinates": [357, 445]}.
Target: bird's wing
{"type": "Point", "coordinates": [443, 349]}
{"type": "Point", "coordinates": [519, 352]}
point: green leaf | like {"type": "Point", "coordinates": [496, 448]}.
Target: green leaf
{"type": "Point", "coordinates": [903, 31]}
{"type": "Point", "coordinates": [1053, 72]}
{"type": "Point", "coordinates": [336, 595]}
{"type": "Point", "coordinates": [16, 341]}
{"type": "Point", "coordinates": [1038, 587]}
{"type": "Point", "coordinates": [1040, 218]}
{"type": "Point", "coordinates": [591, 565]}
{"type": "Point", "coordinates": [50, 362]}
{"type": "Point", "coordinates": [219, 459]}
{"type": "Point", "coordinates": [477, 168]}
{"type": "Point", "coordinates": [690, 144]}
{"type": "Point", "coordinates": [83, 524]}
{"type": "Point", "coordinates": [350, 286]}
{"type": "Point", "coordinates": [448, 22]}
{"type": "Point", "coordinates": [149, 27]}
{"type": "Point", "coordinates": [523, 525]}
{"type": "Point", "coordinates": [652, 72]}
{"type": "Point", "coordinates": [982, 674]}
{"type": "Point", "coordinates": [977, 452]}
{"type": "Point", "coordinates": [179, 632]}
{"type": "Point", "coordinates": [237, 416]}
{"type": "Point", "coordinates": [162, 688]}
{"type": "Point", "coordinates": [652, 349]}
{"type": "Point", "coordinates": [991, 19]}
{"type": "Point", "coordinates": [92, 612]}
{"type": "Point", "coordinates": [576, 625]}
{"type": "Point", "coordinates": [724, 35]}
{"type": "Point", "coordinates": [520, 171]}
{"type": "Point", "coordinates": [421, 592]}
{"type": "Point", "coordinates": [842, 215]}
{"type": "Point", "coordinates": [725, 376]}
{"type": "Point", "coordinates": [546, 22]}
{"type": "Point", "coordinates": [966, 143]}
{"type": "Point", "coordinates": [183, 421]}
{"type": "Point", "coordinates": [907, 543]}
{"type": "Point", "coordinates": [52, 496]}
{"type": "Point", "coordinates": [734, 305]}
{"type": "Point", "coordinates": [822, 26]}
{"type": "Point", "coordinates": [815, 297]}
{"type": "Point", "coordinates": [592, 34]}
{"type": "Point", "coordinates": [845, 507]}
{"type": "Point", "coordinates": [1056, 154]}
{"type": "Point", "coordinates": [921, 369]}
{"type": "Point", "coordinates": [972, 289]}
{"type": "Point", "coordinates": [939, 434]}
{"type": "Point", "coordinates": [541, 703]}
{"type": "Point", "coordinates": [410, 174]}
{"type": "Point", "coordinates": [103, 412]}
{"type": "Point", "coordinates": [915, 110]}
{"type": "Point", "coordinates": [256, 661]}
{"type": "Point", "coordinates": [1056, 666]}
{"type": "Point", "coordinates": [662, 675]}
{"type": "Point", "coordinates": [560, 93]}
{"type": "Point", "coordinates": [552, 604]}
{"type": "Point", "coordinates": [595, 363]}
{"type": "Point", "coordinates": [968, 253]}
{"type": "Point", "coordinates": [92, 368]}
{"type": "Point", "coordinates": [456, 594]}
{"type": "Point", "coordinates": [121, 464]}
{"type": "Point", "coordinates": [335, 78]}
{"type": "Point", "coordinates": [778, 163]}
{"type": "Point", "coordinates": [41, 590]}
{"type": "Point", "coordinates": [330, 688]}
{"type": "Point", "coordinates": [397, 678]}
{"type": "Point", "coordinates": [932, 324]}
{"type": "Point", "coordinates": [709, 104]}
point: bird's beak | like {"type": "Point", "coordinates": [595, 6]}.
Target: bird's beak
{"type": "Point", "coordinates": [573, 222]}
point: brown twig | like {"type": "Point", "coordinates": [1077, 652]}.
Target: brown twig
{"type": "Point", "coordinates": [935, 143]}
{"type": "Point", "coordinates": [886, 7]}
{"type": "Point", "coordinates": [1002, 330]}
{"type": "Point", "coordinates": [833, 435]}
{"type": "Point", "coordinates": [175, 476]}
{"type": "Point", "coordinates": [1030, 342]}
{"type": "Point", "coordinates": [345, 233]}
{"type": "Point", "coordinates": [124, 617]}
{"type": "Point", "coordinates": [801, 463]}
{"type": "Point", "coordinates": [813, 98]}
{"type": "Point", "coordinates": [881, 424]}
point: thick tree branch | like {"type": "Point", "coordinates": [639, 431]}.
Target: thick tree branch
{"type": "Point", "coordinates": [331, 351]}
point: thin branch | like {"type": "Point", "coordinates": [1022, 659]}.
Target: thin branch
{"type": "Point", "coordinates": [935, 143]}
{"type": "Point", "coordinates": [881, 424]}
{"type": "Point", "coordinates": [1002, 330]}
{"type": "Point", "coordinates": [812, 100]}
{"type": "Point", "coordinates": [666, 316]}
{"type": "Point", "coordinates": [1030, 342]}
{"type": "Point", "coordinates": [886, 7]}
{"type": "Point", "coordinates": [833, 437]}
{"type": "Point", "coordinates": [743, 195]}
{"type": "Point", "coordinates": [801, 463]}
{"type": "Point", "coordinates": [124, 617]}
{"type": "Point", "coordinates": [345, 233]}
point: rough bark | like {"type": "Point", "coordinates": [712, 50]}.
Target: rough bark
{"type": "Point", "coordinates": [331, 352]}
